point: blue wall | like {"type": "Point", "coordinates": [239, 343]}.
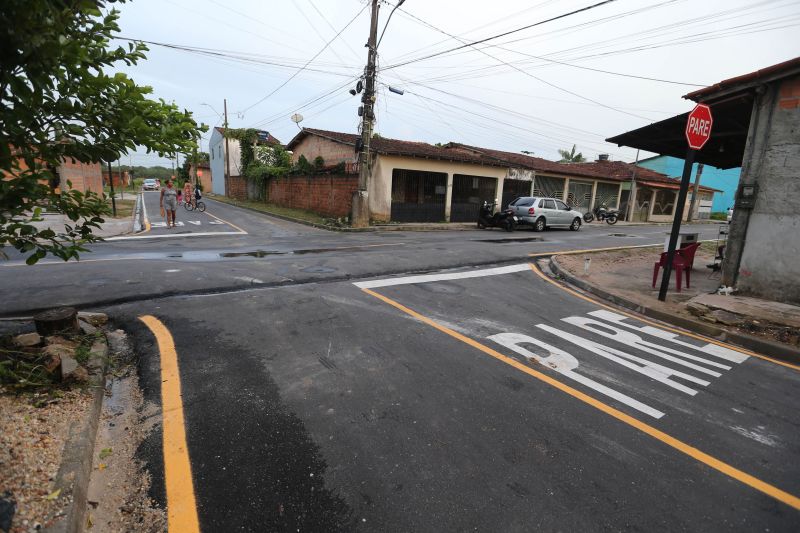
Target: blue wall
{"type": "Point", "coordinates": [725, 180]}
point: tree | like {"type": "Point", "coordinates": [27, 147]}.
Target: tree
{"type": "Point", "coordinates": [569, 156]}
{"type": "Point", "coordinates": [58, 103]}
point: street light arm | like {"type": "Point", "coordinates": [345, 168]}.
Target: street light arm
{"type": "Point", "coordinates": [400, 3]}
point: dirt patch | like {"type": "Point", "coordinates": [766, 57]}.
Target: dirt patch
{"type": "Point", "coordinates": [117, 498]}
{"type": "Point", "coordinates": [31, 442]}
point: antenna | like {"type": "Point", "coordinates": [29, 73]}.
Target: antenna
{"type": "Point", "coordinates": [297, 118]}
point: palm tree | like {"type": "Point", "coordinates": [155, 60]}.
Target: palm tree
{"type": "Point", "coordinates": [569, 156]}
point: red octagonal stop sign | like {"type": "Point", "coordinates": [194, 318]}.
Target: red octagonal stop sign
{"type": "Point", "coordinates": [698, 127]}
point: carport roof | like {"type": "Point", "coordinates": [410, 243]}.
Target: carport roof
{"type": "Point", "coordinates": [731, 103]}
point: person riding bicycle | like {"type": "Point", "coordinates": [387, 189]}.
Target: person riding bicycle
{"type": "Point", "coordinates": [197, 195]}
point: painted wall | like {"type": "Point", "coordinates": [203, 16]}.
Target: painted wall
{"type": "Point", "coordinates": [380, 192]}
{"type": "Point", "coordinates": [216, 147]}
{"type": "Point", "coordinates": [769, 265]}
{"type": "Point", "coordinates": [725, 180]}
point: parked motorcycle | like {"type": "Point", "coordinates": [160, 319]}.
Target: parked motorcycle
{"type": "Point", "coordinates": [502, 219]}
{"type": "Point", "coordinates": [601, 213]}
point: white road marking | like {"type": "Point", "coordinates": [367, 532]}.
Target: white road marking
{"type": "Point", "coordinates": [426, 278]}
{"type": "Point", "coordinates": [171, 270]}
{"type": "Point", "coordinates": [176, 235]}
{"type": "Point", "coordinates": [195, 222]}
{"type": "Point", "coordinates": [565, 364]}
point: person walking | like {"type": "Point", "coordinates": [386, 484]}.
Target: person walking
{"type": "Point", "coordinates": [169, 203]}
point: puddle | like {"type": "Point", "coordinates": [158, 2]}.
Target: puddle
{"type": "Point", "coordinates": [319, 270]}
{"type": "Point", "coordinates": [621, 235]}
{"type": "Point", "coordinates": [255, 253]}
{"type": "Point", "coordinates": [509, 241]}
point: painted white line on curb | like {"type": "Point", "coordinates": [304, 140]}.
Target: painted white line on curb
{"type": "Point", "coordinates": [426, 278]}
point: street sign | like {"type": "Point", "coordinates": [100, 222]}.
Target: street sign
{"type": "Point", "coordinates": [698, 127]}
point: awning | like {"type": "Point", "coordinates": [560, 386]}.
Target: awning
{"type": "Point", "coordinates": [725, 148]}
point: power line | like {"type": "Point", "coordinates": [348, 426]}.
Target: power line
{"type": "Point", "coordinates": [301, 69]}
{"type": "Point", "coordinates": [472, 44]}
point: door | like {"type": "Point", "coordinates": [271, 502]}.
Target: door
{"type": "Point", "coordinates": [469, 193]}
{"type": "Point", "coordinates": [580, 195]}
{"type": "Point", "coordinates": [553, 215]}
{"type": "Point", "coordinates": [418, 196]}
{"type": "Point", "coordinates": [514, 189]}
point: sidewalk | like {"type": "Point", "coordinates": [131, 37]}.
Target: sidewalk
{"type": "Point", "coordinates": [625, 277]}
{"type": "Point", "coordinates": [110, 228]}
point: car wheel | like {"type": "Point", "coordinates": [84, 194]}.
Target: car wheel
{"type": "Point", "coordinates": [576, 224]}
{"type": "Point", "coordinates": [540, 224]}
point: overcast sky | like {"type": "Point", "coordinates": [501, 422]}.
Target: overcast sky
{"type": "Point", "coordinates": [523, 91]}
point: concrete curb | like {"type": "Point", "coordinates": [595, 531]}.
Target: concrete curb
{"type": "Point", "coordinates": [771, 349]}
{"type": "Point", "coordinates": [76, 463]}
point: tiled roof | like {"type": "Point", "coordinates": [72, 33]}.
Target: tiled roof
{"type": "Point", "coordinates": [607, 170]}
{"type": "Point", "coordinates": [781, 69]}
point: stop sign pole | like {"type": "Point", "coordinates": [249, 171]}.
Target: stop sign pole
{"type": "Point", "coordinates": [698, 131]}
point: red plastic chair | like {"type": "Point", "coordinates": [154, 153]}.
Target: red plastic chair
{"type": "Point", "coordinates": [688, 256]}
{"type": "Point", "coordinates": [679, 266]}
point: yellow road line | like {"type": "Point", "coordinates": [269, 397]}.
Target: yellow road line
{"type": "Point", "coordinates": [181, 506]}
{"type": "Point", "coordinates": [226, 222]}
{"type": "Point", "coordinates": [659, 325]}
{"type": "Point", "coordinates": [751, 481]}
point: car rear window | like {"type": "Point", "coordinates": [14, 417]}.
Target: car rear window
{"type": "Point", "coordinates": [523, 202]}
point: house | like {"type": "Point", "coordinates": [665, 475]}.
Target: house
{"type": "Point", "coordinates": [755, 127]}
{"type": "Point", "coordinates": [420, 182]}
{"type": "Point", "coordinates": [121, 179]}
{"type": "Point", "coordinates": [203, 175]}
{"type": "Point", "coordinates": [725, 181]}
{"type": "Point", "coordinates": [217, 160]}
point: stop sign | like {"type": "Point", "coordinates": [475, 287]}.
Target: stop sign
{"type": "Point", "coordinates": [698, 127]}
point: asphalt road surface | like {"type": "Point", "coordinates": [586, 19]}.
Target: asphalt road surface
{"type": "Point", "coordinates": [437, 381]}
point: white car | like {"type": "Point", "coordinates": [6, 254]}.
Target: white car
{"type": "Point", "coordinates": [542, 213]}
{"type": "Point", "coordinates": [730, 214]}
{"type": "Point", "coordinates": [150, 185]}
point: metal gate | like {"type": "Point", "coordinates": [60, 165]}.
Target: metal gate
{"type": "Point", "coordinates": [580, 195]}
{"type": "Point", "coordinates": [418, 196]}
{"type": "Point", "coordinates": [514, 189]}
{"type": "Point", "coordinates": [469, 192]}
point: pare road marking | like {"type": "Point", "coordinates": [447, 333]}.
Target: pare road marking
{"type": "Point", "coordinates": [614, 327]}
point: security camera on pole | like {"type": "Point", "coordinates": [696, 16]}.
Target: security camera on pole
{"type": "Point", "coordinates": [698, 131]}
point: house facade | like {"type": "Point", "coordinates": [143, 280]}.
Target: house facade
{"type": "Point", "coordinates": [419, 182]}
{"type": "Point", "coordinates": [725, 181]}
{"type": "Point", "coordinates": [217, 158]}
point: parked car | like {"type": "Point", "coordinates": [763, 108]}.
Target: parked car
{"type": "Point", "coordinates": [542, 213]}
{"type": "Point", "coordinates": [150, 185]}
{"type": "Point", "coordinates": [730, 214]}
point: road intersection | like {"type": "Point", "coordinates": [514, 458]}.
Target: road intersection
{"type": "Point", "coordinates": [400, 381]}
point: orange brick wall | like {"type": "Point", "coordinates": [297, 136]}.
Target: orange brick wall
{"type": "Point", "coordinates": [789, 94]}
{"type": "Point", "coordinates": [327, 194]}
{"type": "Point", "coordinates": [84, 176]}
{"type": "Point", "coordinates": [237, 187]}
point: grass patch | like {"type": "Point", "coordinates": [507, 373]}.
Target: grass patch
{"type": "Point", "coordinates": [264, 207]}
{"type": "Point", "coordinates": [719, 215]}
{"type": "Point", "coordinates": [124, 207]}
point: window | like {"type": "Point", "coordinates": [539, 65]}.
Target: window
{"type": "Point", "coordinates": [523, 202]}
{"type": "Point", "coordinates": [664, 202]}
{"type": "Point", "coordinates": [561, 205]}
{"type": "Point", "coordinates": [541, 203]}
{"type": "Point", "coordinates": [549, 204]}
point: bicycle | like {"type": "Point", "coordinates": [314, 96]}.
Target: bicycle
{"type": "Point", "coordinates": [197, 204]}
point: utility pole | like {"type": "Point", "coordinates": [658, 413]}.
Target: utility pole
{"type": "Point", "coordinates": [632, 192]}
{"type": "Point", "coordinates": [111, 183]}
{"type": "Point", "coordinates": [121, 183]}
{"type": "Point", "coordinates": [695, 191]}
{"type": "Point", "coordinates": [360, 210]}
{"type": "Point", "coordinates": [227, 151]}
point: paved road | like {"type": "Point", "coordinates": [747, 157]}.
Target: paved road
{"type": "Point", "coordinates": [315, 381]}
{"type": "Point", "coordinates": [248, 249]}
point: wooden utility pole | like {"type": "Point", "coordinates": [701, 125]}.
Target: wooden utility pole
{"type": "Point", "coordinates": [632, 192]}
{"type": "Point", "coordinates": [695, 191]}
{"type": "Point", "coordinates": [111, 183]}
{"type": "Point", "coordinates": [227, 151]}
{"type": "Point", "coordinates": [360, 209]}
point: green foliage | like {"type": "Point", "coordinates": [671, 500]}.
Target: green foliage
{"type": "Point", "coordinates": [303, 166]}
{"type": "Point", "coordinates": [247, 138]}
{"type": "Point", "coordinates": [569, 156]}
{"type": "Point", "coordinates": [719, 215]}
{"type": "Point", "coordinates": [57, 103]}
{"type": "Point", "coordinates": [319, 163]}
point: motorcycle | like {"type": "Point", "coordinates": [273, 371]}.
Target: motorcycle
{"type": "Point", "coordinates": [502, 219]}
{"type": "Point", "coordinates": [601, 213]}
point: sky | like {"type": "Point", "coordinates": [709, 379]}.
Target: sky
{"type": "Point", "coordinates": [573, 80]}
